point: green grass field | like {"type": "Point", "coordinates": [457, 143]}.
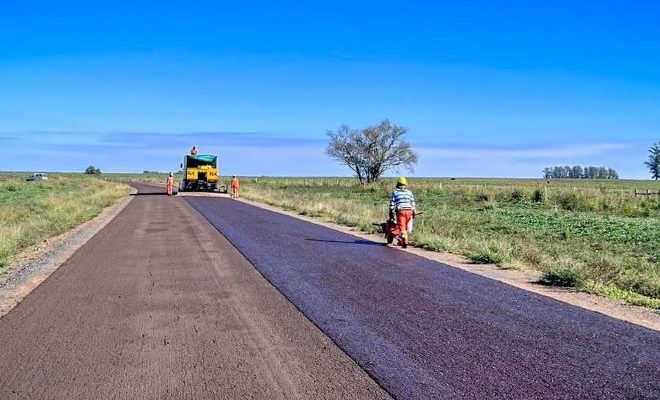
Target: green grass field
{"type": "Point", "coordinates": [33, 211]}
{"type": "Point", "coordinates": [152, 177]}
{"type": "Point", "coordinates": [596, 235]}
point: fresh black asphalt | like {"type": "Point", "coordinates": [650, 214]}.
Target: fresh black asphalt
{"type": "Point", "coordinates": [425, 330]}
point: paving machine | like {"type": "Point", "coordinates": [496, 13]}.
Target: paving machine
{"type": "Point", "coordinates": [201, 174]}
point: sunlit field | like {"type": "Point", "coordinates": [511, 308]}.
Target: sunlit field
{"type": "Point", "coordinates": [33, 211]}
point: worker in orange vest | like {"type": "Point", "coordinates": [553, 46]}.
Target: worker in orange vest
{"type": "Point", "coordinates": [235, 187]}
{"type": "Point", "coordinates": [193, 151]}
{"type": "Point", "coordinates": [170, 184]}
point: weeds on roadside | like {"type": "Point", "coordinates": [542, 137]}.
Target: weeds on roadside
{"type": "Point", "coordinates": [486, 255]}
{"type": "Point", "coordinates": [33, 211]}
{"type": "Point", "coordinates": [567, 277]}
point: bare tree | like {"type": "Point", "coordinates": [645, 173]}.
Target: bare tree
{"type": "Point", "coordinates": [345, 146]}
{"type": "Point", "coordinates": [372, 151]}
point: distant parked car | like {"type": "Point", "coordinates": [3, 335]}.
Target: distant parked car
{"type": "Point", "coordinates": [38, 176]}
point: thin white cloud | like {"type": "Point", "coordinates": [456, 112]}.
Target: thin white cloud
{"type": "Point", "coordinates": [531, 152]}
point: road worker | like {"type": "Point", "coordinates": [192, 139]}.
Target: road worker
{"type": "Point", "coordinates": [235, 187]}
{"type": "Point", "coordinates": [193, 151]}
{"type": "Point", "coordinates": [170, 184]}
{"type": "Point", "coordinates": [402, 208]}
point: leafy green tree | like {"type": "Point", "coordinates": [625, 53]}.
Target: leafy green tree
{"type": "Point", "coordinates": [654, 161]}
{"type": "Point", "coordinates": [577, 172]}
{"type": "Point", "coordinates": [92, 170]}
{"type": "Point", "coordinates": [557, 172]}
{"type": "Point", "coordinates": [612, 174]}
{"type": "Point", "coordinates": [547, 173]}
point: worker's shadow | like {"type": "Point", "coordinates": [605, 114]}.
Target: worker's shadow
{"type": "Point", "coordinates": [358, 241]}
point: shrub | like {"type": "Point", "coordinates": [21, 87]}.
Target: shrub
{"type": "Point", "coordinates": [482, 197]}
{"type": "Point", "coordinates": [538, 196]}
{"type": "Point", "coordinates": [485, 256]}
{"type": "Point", "coordinates": [561, 276]}
{"type": "Point", "coordinates": [634, 210]}
{"type": "Point", "coordinates": [92, 170]}
{"type": "Point", "coordinates": [517, 196]}
{"type": "Point", "coordinates": [490, 205]}
{"type": "Point", "coordinates": [573, 202]}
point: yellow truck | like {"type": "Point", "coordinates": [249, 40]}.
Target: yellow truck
{"type": "Point", "coordinates": [201, 174]}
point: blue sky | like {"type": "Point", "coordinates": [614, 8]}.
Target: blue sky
{"type": "Point", "coordinates": [485, 88]}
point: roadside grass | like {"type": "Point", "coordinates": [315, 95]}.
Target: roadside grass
{"type": "Point", "coordinates": [561, 276]}
{"type": "Point", "coordinates": [33, 211]}
{"type": "Point", "coordinates": [151, 177]}
{"type": "Point", "coordinates": [597, 236]}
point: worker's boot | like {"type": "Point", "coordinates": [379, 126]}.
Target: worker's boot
{"type": "Point", "coordinates": [404, 240]}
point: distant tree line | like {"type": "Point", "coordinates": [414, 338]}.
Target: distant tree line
{"type": "Point", "coordinates": [579, 172]}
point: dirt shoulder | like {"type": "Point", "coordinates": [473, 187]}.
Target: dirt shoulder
{"type": "Point", "coordinates": [525, 280]}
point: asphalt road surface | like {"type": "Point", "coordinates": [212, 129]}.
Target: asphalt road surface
{"type": "Point", "coordinates": [158, 305]}
{"type": "Point", "coordinates": [161, 304]}
{"type": "Point", "coordinates": [425, 330]}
